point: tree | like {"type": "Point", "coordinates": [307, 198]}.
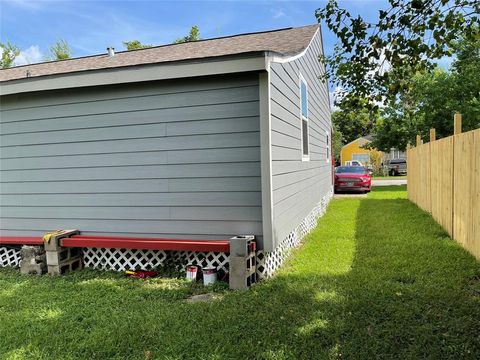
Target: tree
{"type": "Point", "coordinates": [337, 143]}
{"type": "Point", "coordinates": [193, 35]}
{"type": "Point", "coordinates": [135, 45]}
{"type": "Point", "coordinates": [354, 118]}
{"type": "Point", "coordinates": [434, 98]}
{"type": "Point", "coordinates": [9, 53]}
{"type": "Point", "coordinates": [60, 51]}
{"type": "Point", "coordinates": [414, 32]}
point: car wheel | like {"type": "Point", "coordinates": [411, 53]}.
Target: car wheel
{"type": "Point", "coordinates": [392, 172]}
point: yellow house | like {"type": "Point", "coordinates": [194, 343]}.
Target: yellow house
{"type": "Point", "coordinates": [355, 151]}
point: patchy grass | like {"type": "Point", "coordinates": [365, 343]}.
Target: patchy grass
{"type": "Point", "coordinates": [377, 279]}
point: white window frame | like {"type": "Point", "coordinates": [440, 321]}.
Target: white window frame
{"type": "Point", "coordinates": [302, 118]}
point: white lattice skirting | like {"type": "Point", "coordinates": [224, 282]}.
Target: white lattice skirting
{"type": "Point", "coordinates": [125, 259]}
{"type": "Point", "coordinates": [269, 262]}
{"type": "Point", "coordinates": [9, 256]}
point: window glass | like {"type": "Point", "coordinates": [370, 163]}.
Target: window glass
{"type": "Point", "coordinates": [328, 147]}
{"type": "Point", "coordinates": [303, 93]}
{"type": "Point", "coordinates": [363, 158]}
{"type": "Point", "coordinates": [304, 137]}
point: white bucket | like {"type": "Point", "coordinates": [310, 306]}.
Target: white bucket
{"type": "Point", "coordinates": [192, 272]}
{"type": "Point", "coordinates": [209, 276]}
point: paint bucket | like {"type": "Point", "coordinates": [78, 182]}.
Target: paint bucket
{"type": "Point", "coordinates": [192, 272]}
{"type": "Point", "coordinates": [209, 276]}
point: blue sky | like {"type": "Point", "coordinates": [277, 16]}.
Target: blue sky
{"type": "Point", "coordinates": [91, 26]}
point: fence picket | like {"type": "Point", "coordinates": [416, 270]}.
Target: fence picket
{"type": "Point", "coordinates": [444, 180]}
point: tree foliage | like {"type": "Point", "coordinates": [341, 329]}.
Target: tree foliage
{"type": "Point", "coordinates": [433, 100]}
{"type": "Point", "coordinates": [337, 143]}
{"type": "Point", "coordinates": [60, 51]}
{"type": "Point", "coordinates": [354, 118]}
{"type": "Point", "coordinates": [135, 45]}
{"type": "Point", "coordinates": [413, 32]}
{"type": "Point", "coordinates": [193, 35]}
{"type": "Point", "coordinates": [9, 53]}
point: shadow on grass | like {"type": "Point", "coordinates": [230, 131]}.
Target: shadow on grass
{"type": "Point", "coordinates": [377, 279]}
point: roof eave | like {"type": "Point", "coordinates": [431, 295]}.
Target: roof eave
{"type": "Point", "coordinates": [257, 61]}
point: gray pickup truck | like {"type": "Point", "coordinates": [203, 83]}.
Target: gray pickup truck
{"type": "Point", "coordinates": [396, 167]}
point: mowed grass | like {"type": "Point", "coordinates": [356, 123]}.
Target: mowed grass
{"type": "Point", "coordinates": [400, 177]}
{"type": "Point", "coordinates": [378, 279]}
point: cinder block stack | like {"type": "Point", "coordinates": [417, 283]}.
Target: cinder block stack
{"type": "Point", "coordinates": [61, 259]}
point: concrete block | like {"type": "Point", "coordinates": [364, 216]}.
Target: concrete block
{"type": "Point", "coordinates": [60, 259]}
{"type": "Point", "coordinates": [54, 270]}
{"type": "Point", "coordinates": [33, 260]}
{"type": "Point", "coordinates": [52, 258]}
{"type": "Point", "coordinates": [238, 245]}
{"type": "Point", "coordinates": [53, 244]}
{"type": "Point", "coordinates": [242, 262]}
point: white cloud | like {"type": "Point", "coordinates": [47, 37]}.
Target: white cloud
{"type": "Point", "coordinates": [336, 96]}
{"type": "Point", "coordinates": [27, 5]}
{"type": "Point", "coordinates": [278, 13]}
{"type": "Point", "coordinates": [30, 55]}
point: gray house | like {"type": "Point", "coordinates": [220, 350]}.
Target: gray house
{"type": "Point", "coordinates": [201, 140]}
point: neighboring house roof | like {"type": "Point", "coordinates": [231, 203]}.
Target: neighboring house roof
{"type": "Point", "coordinates": [282, 43]}
{"type": "Point", "coordinates": [367, 138]}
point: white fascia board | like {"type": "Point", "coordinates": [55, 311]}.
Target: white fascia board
{"type": "Point", "coordinates": [134, 74]}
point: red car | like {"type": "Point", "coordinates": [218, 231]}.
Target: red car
{"type": "Point", "coordinates": [352, 178]}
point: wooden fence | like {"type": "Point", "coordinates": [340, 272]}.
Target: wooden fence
{"type": "Point", "coordinates": [444, 179]}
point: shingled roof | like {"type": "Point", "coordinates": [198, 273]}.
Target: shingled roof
{"type": "Point", "coordinates": [282, 42]}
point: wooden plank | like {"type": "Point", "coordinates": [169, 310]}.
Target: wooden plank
{"type": "Point", "coordinates": [457, 123]}
{"type": "Point", "coordinates": [463, 188]}
{"type": "Point", "coordinates": [146, 244]}
{"type": "Point", "coordinates": [475, 174]}
{"type": "Point", "coordinates": [441, 169]}
{"type": "Point", "coordinates": [20, 240]}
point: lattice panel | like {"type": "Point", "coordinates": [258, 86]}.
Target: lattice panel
{"type": "Point", "coordinates": [219, 260]}
{"type": "Point", "coordinates": [123, 259]}
{"type": "Point", "coordinates": [9, 256]}
{"type": "Point", "coordinates": [268, 263]}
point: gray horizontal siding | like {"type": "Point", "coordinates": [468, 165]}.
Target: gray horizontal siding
{"type": "Point", "coordinates": [298, 185]}
{"type": "Point", "coordinates": [168, 159]}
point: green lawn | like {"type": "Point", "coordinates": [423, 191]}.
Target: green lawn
{"type": "Point", "coordinates": [378, 279]}
{"type": "Point", "coordinates": [400, 177]}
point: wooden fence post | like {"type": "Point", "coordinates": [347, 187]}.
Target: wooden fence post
{"type": "Point", "coordinates": [457, 129]}
{"type": "Point", "coordinates": [457, 123]}
{"type": "Point", "coordinates": [419, 140]}
{"type": "Point", "coordinates": [433, 135]}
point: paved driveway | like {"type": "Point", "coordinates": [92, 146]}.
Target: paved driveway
{"type": "Point", "coordinates": [389, 182]}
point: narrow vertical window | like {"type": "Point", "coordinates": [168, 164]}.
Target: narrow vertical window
{"type": "Point", "coordinates": [327, 147]}
{"type": "Point", "coordinates": [304, 118]}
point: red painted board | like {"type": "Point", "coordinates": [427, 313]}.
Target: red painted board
{"type": "Point", "coordinates": [20, 240]}
{"type": "Point", "coordinates": [146, 243]}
